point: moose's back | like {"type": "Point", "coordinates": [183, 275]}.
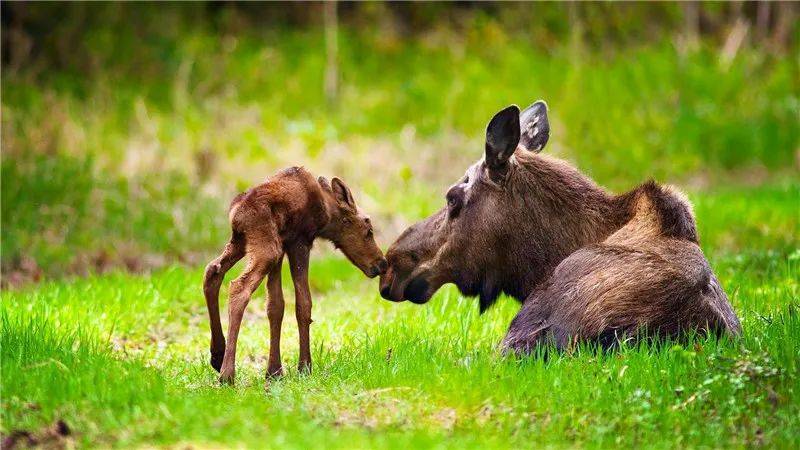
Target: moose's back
{"type": "Point", "coordinates": [649, 277]}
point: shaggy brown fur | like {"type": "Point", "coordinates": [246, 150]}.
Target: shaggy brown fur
{"type": "Point", "coordinates": [534, 227]}
{"type": "Point", "coordinates": [283, 216]}
{"type": "Point", "coordinates": [648, 277]}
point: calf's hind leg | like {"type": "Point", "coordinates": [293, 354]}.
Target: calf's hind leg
{"type": "Point", "coordinates": [275, 308]}
{"type": "Point", "coordinates": [241, 290]}
{"type": "Point", "coordinates": [215, 273]}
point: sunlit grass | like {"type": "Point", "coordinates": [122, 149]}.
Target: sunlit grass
{"type": "Point", "coordinates": [123, 360]}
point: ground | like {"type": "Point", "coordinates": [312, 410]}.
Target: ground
{"type": "Point", "coordinates": [122, 359]}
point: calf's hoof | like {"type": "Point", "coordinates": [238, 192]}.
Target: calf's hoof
{"type": "Point", "coordinates": [216, 360]}
{"type": "Point", "coordinates": [274, 372]}
{"type": "Point", "coordinates": [304, 368]}
{"type": "Point", "coordinates": [226, 377]}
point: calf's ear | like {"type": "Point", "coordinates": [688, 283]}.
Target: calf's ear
{"type": "Point", "coordinates": [342, 193]}
{"type": "Point", "coordinates": [502, 137]}
{"type": "Point", "coordinates": [323, 182]}
{"type": "Point", "coordinates": [534, 127]}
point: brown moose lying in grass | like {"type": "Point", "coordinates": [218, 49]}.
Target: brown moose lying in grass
{"type": "Point", "coordinates": [283, 216]}
{"type": "Point", "coordinates": [590, 266]}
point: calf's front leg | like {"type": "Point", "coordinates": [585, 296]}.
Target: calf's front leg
{"type": "Point", "coordinates": [298, 260]}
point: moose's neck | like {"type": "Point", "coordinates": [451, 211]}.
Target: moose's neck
{"type": "Point", "coordinates": [565, 210]}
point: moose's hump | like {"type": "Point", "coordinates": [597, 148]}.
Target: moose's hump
{"type": "Point", "coordinates": [657, 212]}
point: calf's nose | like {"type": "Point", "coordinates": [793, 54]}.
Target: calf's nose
{"type": "Point", "coordinates": [382, 266]}
{"type": "Point", "coordinates": [378, 268]}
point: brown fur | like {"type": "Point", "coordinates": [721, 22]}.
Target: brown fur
{"type": "Point", "coordinates": [649, 276]}
{"type": "Point", "coordinates": [588, 262]}
{"type": "Point", "coordinates": [281, 217]}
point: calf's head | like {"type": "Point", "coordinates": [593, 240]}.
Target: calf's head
{"type": "Point", "coordinates": [351, 230]}
{"type": "Point", "coordinates": [482, 235]}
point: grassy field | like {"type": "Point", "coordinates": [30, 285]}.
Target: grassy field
{"type": "Point", "coordinates": [122, 359]}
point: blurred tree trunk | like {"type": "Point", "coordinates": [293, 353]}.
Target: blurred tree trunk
{"type": "Point", "coordinates": [736, 35]}
{"type": "Point", "coordinates": [737, 10]}
{"type": "Point", "coordinates": [785, 21]}
{"type": "Point", "coordinates": [762, 20]}
{"type": "Point", "coordinates": [331, 51]}
{"type": "Point", "coordinates": [691, 24]}
{"type": "Point", "coordinates": [734, 41]}
{"type": "Point", "coordinates": [576, 28]}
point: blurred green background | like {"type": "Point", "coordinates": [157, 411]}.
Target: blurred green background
{"type": "Point", "coordinates": [126, 128]}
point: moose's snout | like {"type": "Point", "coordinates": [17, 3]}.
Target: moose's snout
{"type": "Point", "coordinates": [387, 285]}
{"type": "Point", "coordinates": [378, 268]}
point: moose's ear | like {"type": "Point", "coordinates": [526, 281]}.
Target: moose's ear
{"type": "Point", "coordinates": [534, 127]}
{"type": "Point", "coordinates": [502, 137]}
{"type": "Point", "coordinates": [323, 182]}
{"type": "Point", "coordinates": [342, 193]}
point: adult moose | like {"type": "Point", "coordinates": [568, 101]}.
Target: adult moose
{"type": "Point", "coordinates": [589, 265]}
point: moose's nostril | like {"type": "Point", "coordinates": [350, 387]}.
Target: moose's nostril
{"type": "Point", "coordinates": [416, 290]}
{"type": "Point", "coordinates": [383, 265]}
{"type": "Point", "coordinates": [386, 292]}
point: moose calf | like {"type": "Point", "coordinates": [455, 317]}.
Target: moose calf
{"type": "Point", "coordinates": [283, 216]}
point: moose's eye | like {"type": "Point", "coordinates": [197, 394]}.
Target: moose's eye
{"type": "Point", "coordinates": [454, 200]}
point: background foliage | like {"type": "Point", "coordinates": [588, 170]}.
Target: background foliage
{"type": "Point", "coordinates": [126, 128]}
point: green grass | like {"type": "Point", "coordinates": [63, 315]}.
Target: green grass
{"type": "Point", "coordinates": [123, 360]}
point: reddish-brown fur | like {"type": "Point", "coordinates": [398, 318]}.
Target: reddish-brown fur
{"type": "Point", "coordinates": [588, 264]}
{"type": "Point", "coordinates": [281, 217]}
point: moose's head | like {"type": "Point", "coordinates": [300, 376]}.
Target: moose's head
{"type": "Point", "coordinates": [506, 223]}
